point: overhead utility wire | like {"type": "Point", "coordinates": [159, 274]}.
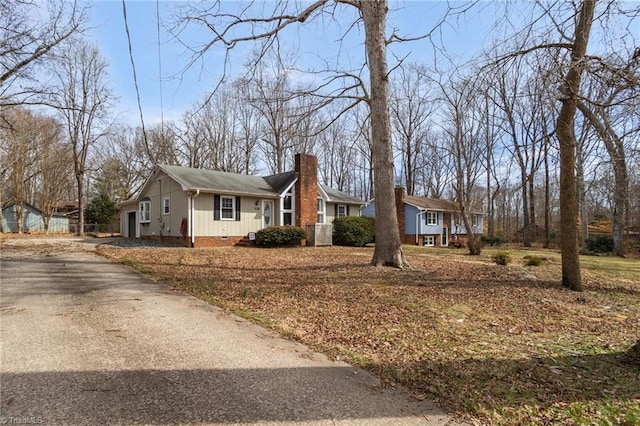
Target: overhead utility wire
{"type": "Point", "coordinates": [135, 77]}
{"type": "Point", "coordinates": [160, 65]}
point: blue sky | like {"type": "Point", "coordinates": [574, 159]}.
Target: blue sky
{"type": "Point", "coordinates": [316, 40]}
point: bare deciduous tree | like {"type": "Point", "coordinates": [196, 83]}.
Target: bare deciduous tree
{"type": "Point", "coordinates": [411, 111]}
{"type": "Point", "coordinates": [81, 96]}
{"type": "Point", "coordinates": [26, 40]}
{"type": "Point", "coordinates": [463, 128]}
{"type": "Point", "coordinates": [606, 108]}
{"type": "Point", "coordinates": [127, 164]}
{"type": "Point", "coordinates": [54, 162]}
{"type": "Point", "coordinates": [230, 29]}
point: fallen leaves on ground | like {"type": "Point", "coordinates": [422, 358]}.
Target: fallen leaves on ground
{"type": "Point", "coordinates": [492, 344]}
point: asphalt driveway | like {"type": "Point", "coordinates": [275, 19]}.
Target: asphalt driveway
{"type": "Point", "coordinates": [87, 341]}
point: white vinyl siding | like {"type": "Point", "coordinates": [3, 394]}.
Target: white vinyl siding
{"type": "Point", "coordinates": [250, 218]}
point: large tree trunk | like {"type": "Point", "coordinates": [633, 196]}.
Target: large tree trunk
{"type": "Point", "coordinates": [526, 228]}
{"type": "Point", "coordinates": [583, 210]}
{"type": "Point", "coordinates": [388, 248]}
{"type": "Point", "coordinates": [79, 180]}
{"type": "Point", "coordinates": [571, 276]}
{"type": "Point", "coordinates": [547, 197]}
{"type": "Point", "coordinates": [620, 201]}
{"type": "Point", "coordinates": [615, 148]}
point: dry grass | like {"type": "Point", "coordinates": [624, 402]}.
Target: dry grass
{"type": "Point", "coordinates": [492, 344]}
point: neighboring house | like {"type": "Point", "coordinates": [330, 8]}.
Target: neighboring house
{"type": "Point", "coordinates": [32, 220]}
{"type": "Point", "coordinates": [198, 208]}
{"type": "Point", "coordinates": [429, 221]}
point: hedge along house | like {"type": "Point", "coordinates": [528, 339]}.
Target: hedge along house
{"type": "Point", "coordinates": [430, 221]}
{"type": "Point", "coordinates": [200, 208]}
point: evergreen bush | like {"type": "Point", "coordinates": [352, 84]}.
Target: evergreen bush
{"type": "Point", "coordinates": [279, 236]}
{"type": "Point", "coordinates": [531, 260]}
{"type": "Point", "coordinates": [502, 257]}
{"type": "Point", "coordinates": [600, 244]}
{"type": "Point", "coordinates": [354, 231]}
{"type": "Point", "coordinates": [492, 241]}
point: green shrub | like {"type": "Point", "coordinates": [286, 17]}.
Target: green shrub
{"type": "Point", "coordinates": [100, 210]}
{"type": "Point", "coordinates": [502, 257]}
{"type": "Point", "coordinates": [492, 241]}
{"type": "Point", "coordinates": [531, 260]}
{"type": "Point", "coordinates": [355, 231]}
{"type": "Point", "coordinates": [278, 236]}
{"type": "Point", "coordinates": [600, 244]}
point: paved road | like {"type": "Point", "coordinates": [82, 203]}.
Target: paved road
{"type": "Point", "coordinates": [87, 341]}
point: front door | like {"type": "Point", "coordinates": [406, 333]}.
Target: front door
{"type": "Point", "coordinates": [267, 213]}
{"type": "Point", "coordinates": [131, 228]}
{"type": "Point", "coordinates": [445, 236]}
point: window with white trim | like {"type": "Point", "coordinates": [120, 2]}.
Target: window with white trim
{"type": "Point", "coordinates": [429, 240]}
{"type": "Point", "coordinates": [321, 210]}
{"type": "Point", "coordinates": [165, 206]}
{"type": "Point", "coordinates": [145, 211]}
{"type": "Point", "coordinates": [287, 207]}
{"type": "Point", "coordinates": [342, 210]}
{"type": "Point", "coordinates": [227, 208]}
{"type": "Point", "coordinates": [431, 218]}
{"type": "Point", "coordinates": [474, 220]}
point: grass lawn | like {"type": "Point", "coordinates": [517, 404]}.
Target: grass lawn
{"type": "Point", "coordinates": [492, 344]}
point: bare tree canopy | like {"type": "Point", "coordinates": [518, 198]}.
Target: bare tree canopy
{"type": "Point", "coordinates": [29, 33]}
{"type": "Point", "coordinates": [82, 97]}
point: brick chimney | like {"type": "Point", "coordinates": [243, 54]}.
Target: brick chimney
{"type": "Point", "coordinates": [399, 192]}
{"type": "Point", "coordinates": [306, 192]}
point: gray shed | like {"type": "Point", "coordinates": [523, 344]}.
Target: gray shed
{"type": "Point", "coordinates": [32, 220]}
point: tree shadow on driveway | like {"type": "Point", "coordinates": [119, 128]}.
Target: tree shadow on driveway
{"type": "Point", "coordinates": [214, 396]}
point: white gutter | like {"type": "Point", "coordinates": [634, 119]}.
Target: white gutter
{"type": "Point", "coordinates": [420, 212]}
{"type": "Point", "coordinates": [192, 208]}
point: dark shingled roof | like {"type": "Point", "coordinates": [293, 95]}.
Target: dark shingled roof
{"type": "Point", "coordinates": [434, 204]}
{"type": "Point", "coordinates": [215, 181]}
{"type": "Point", "coordinates": [234, 183]}
{"type": "Point", "coordinates": [281, 181]}
{"type": "Point", "coordinates": [336, 196]}
{"type": "Point", "coordinates": [431, 203]}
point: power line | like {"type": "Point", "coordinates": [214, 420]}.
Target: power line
{"type": "Point", "coordinates": [159, 64]}
{"type": "Point", "coordinates": [135, 77]}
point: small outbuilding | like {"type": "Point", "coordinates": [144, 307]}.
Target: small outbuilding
{"type": "Point", "coordinates": [32, 220]}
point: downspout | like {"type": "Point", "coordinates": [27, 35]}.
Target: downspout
{"type": "Point", "coordinates": [420, 212]}
{"type": "Point", "coordinates": [192, 210]}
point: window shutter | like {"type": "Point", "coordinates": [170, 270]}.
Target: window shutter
{"type": "Point", "coordinates": [335, 208]}
{"type": "Point", "coordinates": [237, 208]}
{"type": "Point", "coordinates": [347, 209]}
{"type": "Point", "coordinates": [216, 207]}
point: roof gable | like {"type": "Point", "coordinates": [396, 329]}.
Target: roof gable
{"type": "Point", "coordinates": [281, 181]}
